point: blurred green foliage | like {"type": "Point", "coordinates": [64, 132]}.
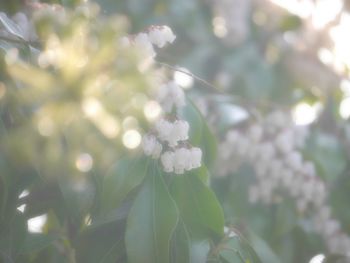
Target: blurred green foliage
{"type": "Point", "coordinates": [124, 202]}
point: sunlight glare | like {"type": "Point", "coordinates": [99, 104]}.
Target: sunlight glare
{"type": "Point", "coordinates": [317, 259]}
{"type": "Point", "coordinates": [344, 108]}
{"type": "Point", "coordinates": [84, 162]}
{"type": "Point", "coordinates": [304, 114]}
{"type": "Point", "coordinates": [131, 139]}
{"type": "Point", "coordinates": [182, 79]}
{"type": "Point", "coordinates": [36, 224]}
{"type": "Point", "coordinates": [152, 110]}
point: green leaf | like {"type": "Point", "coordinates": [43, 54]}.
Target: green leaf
{"type": "Point", "coordinates": [191, 114]}
{"type": "Point", "coordinates": [208, 145]}
{"type": "Point", "coordinates": [120, 180]}
{"type": "Point", "coordinates": [12, 236]}
{"type": "Point", "coordinates": [180, 244]}
{"type": "Point", "coordinates": [200, 134]}
{"type": "Point", "coordinates": [102, 244]}
{"type": "Point", "coordinates": [186, 249]}
{"type": "Point", "coordinates": [151, 222]}
{"type": "Point", "coordinates": [290, 22]}
{"type": "Point", "coordinates": [199, 208]}
{"type": "Point", "coordinates": [78, 194]}
{"type": "Point", "coordinates": [237, 250]}
{"type": "Point", "coordinates": [328, 154]}
{"type": "Point", "coordinates": [36, 242]}
{"type": "Point", "coordinates": [286, 218]}
{"type": "Point", "coordinates": [262, 248]}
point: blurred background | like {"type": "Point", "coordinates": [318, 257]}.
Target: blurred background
{"type": "Point", "coordinates": [254, 56]}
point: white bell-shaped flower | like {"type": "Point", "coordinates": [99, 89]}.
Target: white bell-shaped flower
{"type": "Point", "coordinates": [148, 144]}
{"type": "Point", "coordinates": [164, 129]}
{"type": "Point", "coordinates": [161, 35]}
{"type": "Point", "coordinates": [142, 42]}
{"type": "Point", "coordinates": [151, 147]}
{"type": "Point", "coordinates": [181, 129]}
{"type": "Point", "coordinates": [182, 160]}
{"type": "Point", "coordinates": [170, 95]}
{"type": "Point", "coordinates": [167, 160]}
{"type": "Point", "coordinates": [196, 157]}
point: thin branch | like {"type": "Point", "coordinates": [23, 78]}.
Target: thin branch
{"type": "Point", "coordinates": [239, 99]}
{"type": "Point", "coordinates": [191, 75]}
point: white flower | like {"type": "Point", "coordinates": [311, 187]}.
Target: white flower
{"type": "Point", "coordinates": [182, 160]}
{"type": "Point", "coordinates": [164, 129]}
{"type": "Point", "coordinates": [180, 130]}
{"type": "Point", "coordinates": [284, 142]}
{"type": "Point", "coordinates": [276, 169]}
{"type": "Point", "coordinates": [255, 133]}
{"type": "Point", "coordinates": [229, 232]}
{"type": "Point", "coordinates": [265, 151]}
{"type": "Point", "coordinates": [309, 169]}
{"type": "Point", "coordinates": [294, 160]}
{"type": "Point", "coordinates": [151, 146]}
{"type": "Point", "coordinates": [161, 35]}
{"type": "Point", "coordinates": [332, 226]}
{"type": "Point", "coordinates": [143, 43]}
{"type": "Point", "coordinates": [196, 157]}
{"type": "Point", "coordinates": [287, 177]}
{"type": "Point", "coordinates": [232, 137]}
{"type": "Point", "coordinates": [167, 160]}
{"type": "Point", "coordinates": [302, 205]}
{"type": "Point", "coordinates": [242, 146]}
{"type": "Point", "coordinates": [157, 150]}
{"type": "Point", "coordinates": [172, 132]}
{"type": "Point", "coordinates": [124, 42]}
{"type": "Point", "coordinates": [148, 144]}
{"type": "Point", "coordinates": [170, 95]}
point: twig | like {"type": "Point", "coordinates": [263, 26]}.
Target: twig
{"type": "Point", "coordinates": [243, 101]}
{"type": "Point", "coordinates": [191, 75]}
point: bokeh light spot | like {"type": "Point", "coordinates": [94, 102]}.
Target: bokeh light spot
{"type": "Point", "coordinates": [84, 162]}
{"type": "Point", "coordinates": [304, 114]}
{"type": "Point", "coordinates": [45, 126]}
{"type": "Point", "coordinates": [344, 108]}
{"type": "Point", "coordinates": [183, 79]}
{"type": "Point", "coordinates": [152, 110]}
{"type": "Point", "coordinates": [219, 26]}
{"type": "Point", "coordinates": [131, 139]}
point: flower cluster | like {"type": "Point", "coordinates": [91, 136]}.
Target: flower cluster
{"type": "Point", "coordinates": [329, 228]}
{"type": "Point", "coordinates": [170, 95]}
{"type": "Point", "coordinates": [144, 41]}
{"type": "Point", "coordinates": [179, 156]}
{"type": "Point", "coordinates": [181, 160]}
{"type": "Point", "coordinates": [172, 136]}
{"type": "Point", "coordinates": [169, 139]}
{"type": "Point", "coordinates": [172, 132]}
{"type": "Point", "coordinates": [160, 35]}
{"type": "Point", "coordinates": [272, 146]}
